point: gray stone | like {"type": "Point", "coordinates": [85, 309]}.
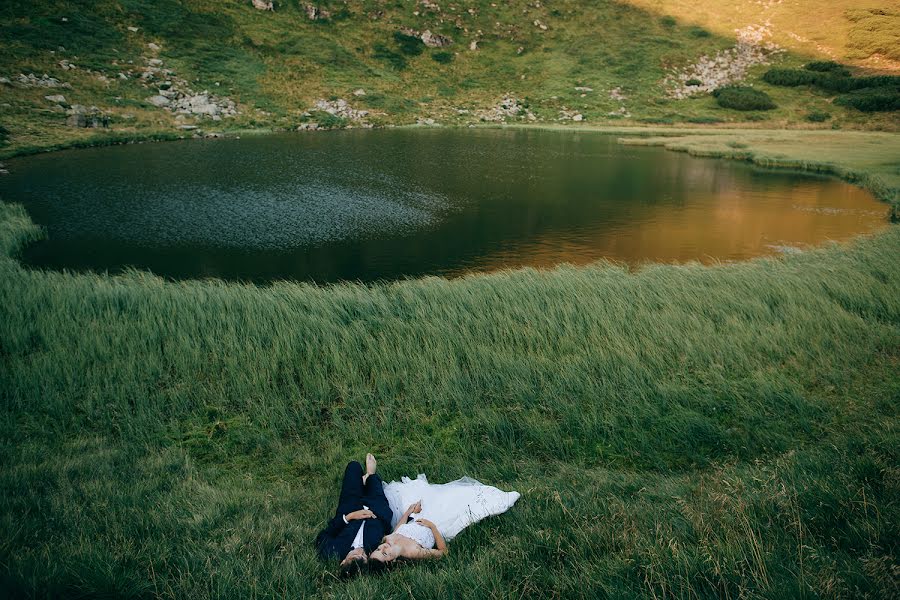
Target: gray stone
{"type": "Point", "coordinates": [434, 40]}
{"type": "Point", "coordinates": [158, 101]}
{"type": "Point", "coordinates": [57, 98]}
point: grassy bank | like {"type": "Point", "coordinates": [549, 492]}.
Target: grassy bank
{"type": "Point", "coordinates": [682, 431]}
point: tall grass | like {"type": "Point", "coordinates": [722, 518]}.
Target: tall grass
{"type": "Point", "coordinates": [681, 431]}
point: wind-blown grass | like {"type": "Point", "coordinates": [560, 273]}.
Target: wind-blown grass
{"type": "Point", "coordinates": [690, 431]}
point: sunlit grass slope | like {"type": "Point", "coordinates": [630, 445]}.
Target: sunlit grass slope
{"type": "Point", "coordinates": [277, 64]}
{"type": "Point", "coordinates": [681, 431]}
{"type": "Point", "coordinates": [865, 33]}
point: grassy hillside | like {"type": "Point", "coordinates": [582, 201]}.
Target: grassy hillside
{"type": "Point", "coordinates": [864, 33]}
{"type": "Point", "coordinates": [682, 431]}
{"type": "Point", "coordinates": [276, 65]}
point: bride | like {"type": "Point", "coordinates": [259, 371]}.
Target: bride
{"type": "Point", "coordinates": [435, 514]}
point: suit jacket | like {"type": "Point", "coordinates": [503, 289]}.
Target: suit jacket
{"type": "Point", "coordinates": [335, 540]}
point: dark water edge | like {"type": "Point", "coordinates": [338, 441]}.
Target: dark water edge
{"type": "Point", "coordinates": [389, 204]}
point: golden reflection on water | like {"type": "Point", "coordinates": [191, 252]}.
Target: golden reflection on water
{"type": "Point", "coordinates": [720, 224]}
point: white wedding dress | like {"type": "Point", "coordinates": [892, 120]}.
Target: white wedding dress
{"type": "Point", "coordinates": [450, 506]}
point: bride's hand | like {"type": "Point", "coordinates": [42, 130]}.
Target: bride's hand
{"type": "Point", "coordinates": [414, 508]}
{"type": "Point", "coordinates": [426, 523]}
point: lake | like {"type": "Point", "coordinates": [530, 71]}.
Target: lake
{"type": "Point", "coordinates": [395, 203]}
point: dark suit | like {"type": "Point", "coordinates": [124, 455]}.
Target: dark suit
{"type": "Point", "coordinates": [335, 540]}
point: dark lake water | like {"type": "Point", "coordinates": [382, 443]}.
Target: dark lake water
{"type": "Point", "coordinates": [386, 204]}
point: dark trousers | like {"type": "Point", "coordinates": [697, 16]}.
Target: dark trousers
{"type": "Point", "coordinates": [354, 494]}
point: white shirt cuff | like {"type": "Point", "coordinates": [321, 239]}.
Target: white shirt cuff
{"type": "Point", "coordinates": [344, 517]}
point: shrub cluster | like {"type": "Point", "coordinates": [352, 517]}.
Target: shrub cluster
{"type": "Point", "coordinates": [409, 45]}
{"type": "Point", "coordinates": [442, 57]}
{"type": "Point", "coordinates": [384, 53]}
{"type": "Point", "coordinates": [817, 116]}
{"type": "Point", "coordinates": [743, 98]}
{"type": "Point", "coordinates": [828, 66]}
{"type": "Point", "coordinates": [789, 77]}
{"type": "Point", "coordinates": [879, 99]}
{"type": "Point", "coordinates": [869, 94]}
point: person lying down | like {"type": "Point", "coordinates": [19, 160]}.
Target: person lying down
{"type": "Point", "coordinates": [421, 517]}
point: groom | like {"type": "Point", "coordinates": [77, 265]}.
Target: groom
{"type": "Point", "coordinates": [362, 519]}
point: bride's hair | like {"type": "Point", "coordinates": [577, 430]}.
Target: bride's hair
{"type": "Point", "coordinates": [377, 567]}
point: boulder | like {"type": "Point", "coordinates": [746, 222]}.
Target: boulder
{"type": "Point", "coordinates": [434, 40]}
{"type": "Point", "coordinates": [158, 101]}
{"type": "Point", "coordinates": [57, 98]}
{"type": "Point", "coordinates": [263, 5]}
{"type": "Point", "coordinates": [314, 13]}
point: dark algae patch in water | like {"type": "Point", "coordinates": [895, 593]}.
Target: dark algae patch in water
{"type": "Point", "coordinates": [392, 204]}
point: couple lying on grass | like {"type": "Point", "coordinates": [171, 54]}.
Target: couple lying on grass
{"type": "Point", "coordinates": [369, 531]}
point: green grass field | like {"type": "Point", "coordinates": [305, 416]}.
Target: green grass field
{"type": "Point", "coordinates": [679, 431]}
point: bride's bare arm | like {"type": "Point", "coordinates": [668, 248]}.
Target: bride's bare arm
{"type": "Point", "coordinates": [413, 508]}
{"type": "Point", "coordinates": [440, 545]}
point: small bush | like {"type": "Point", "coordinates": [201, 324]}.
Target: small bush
{"type": "Point", "coordinates": [327, 120]}
{"type": "Point", "coordinates": [693, 82]}
{"type": "Point", "coordinates": [384, 53]}
{"type": "Point", "coordinates": [4, 135]}
{"type": "Point", "coordinates": [872, 100]}
{"type": "Point", "coordinates": [668, 21]}
{"type": "Point", "coordinates": [699, 32]}
{"type": "Point", "coordinates": [817, 116]}
{"type": "Point", "coordinates": [743, 98]}
{"type": "Point", "coordinates": [409, 44]}
{"type": "Point", "coordinates": [442, 57]}
{"type": "Point", "coordinates": [789, 77]}
{"type": "Point", "coordinates": [705, 120]}
{"type": "Point", "coordinates": [828, 66]}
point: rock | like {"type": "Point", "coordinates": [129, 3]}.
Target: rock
{"type": "Point", "coordinates": [359, 92]}
{"type": "Point", "coordinates": [307, 126]}
{"type": "Point", "coordinates": [154, 62]}
{"type": "Point", "coordinates": [540, 25]}
{"type": "Point", "coordinates": [32, 80]}
{"type": "Point", "coordinates": [82, 116]}
{"type": "Point", "coordinates": [58, 99]}
{"type": "Point", "coordinates": [340, 108]}
{"type": "Point", "coordinates": [509, 106]}
{"type": "Point", "coordinates": [582, 88]}
{"type": "Point", "coordinates": [158, 101]}
{"type": "Point", "coordinates": [314, 13]}
{"type": "Point", "coordinates": [473, 45]}
{"type": "Point", "coordinates": [428, 122]}
{"type": "Point", "coordinates": [726, 67]}
{"type": "Point", "coordinates": [187, 127]}
{"type": "Point", "coordinates": [153, 47]}
{"type": "Point", "coordinates": [578, 117]}
{"type": "Point", "coordinates": [133, 29]}
{"type": "Point", "coordinates": [5, 81]}
{"type": "Point", "coordinates": [263, 5]}
{"type": "Point", "coordinates": [435, 40]}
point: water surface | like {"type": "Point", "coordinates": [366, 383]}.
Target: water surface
{"type": "Point", "coordinates": [386, 204]}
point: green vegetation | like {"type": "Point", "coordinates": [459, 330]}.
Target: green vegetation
{"type": "Point", "coordinates": [276, 65]}
{"type": "Point", "coordinates": [868, 94]}
{"type": "Point", "coordinates": [828, 66]}
{"type": "Point", "coordinates": [442, 57]}
{"type": "Point", "coordinates": [817, 116]}
{"type": "Point", "coordinates": [743, 98]}
{"type": "Point", "coordinates": [679, 430]}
